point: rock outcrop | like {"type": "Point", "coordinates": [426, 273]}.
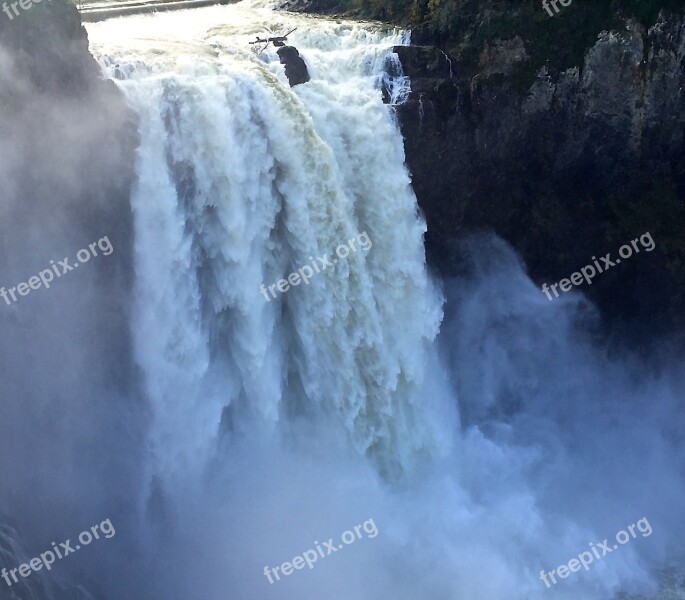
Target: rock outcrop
{"type": "Point", "coordinates": [295, 67]}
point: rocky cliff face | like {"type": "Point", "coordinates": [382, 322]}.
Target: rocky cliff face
{"type": "Point", "coordinates": [565, 164]}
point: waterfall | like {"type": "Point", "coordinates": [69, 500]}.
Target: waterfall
{"type": "Point", "coordinates": [283, 414]}
{"type": "Point", "coordinates": [241, 181]}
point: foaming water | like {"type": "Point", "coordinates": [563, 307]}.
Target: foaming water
{"type": "Point", "coordinates": [281, 421]}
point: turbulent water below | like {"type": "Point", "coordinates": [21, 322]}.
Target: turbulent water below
{"type": "Point", "coordinates": [477, 424]}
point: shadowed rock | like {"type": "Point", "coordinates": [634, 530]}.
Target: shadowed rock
{"type": "Point", "coordinates": [539, 155]}
{"type": "Point", "coordinates": [295, 67]}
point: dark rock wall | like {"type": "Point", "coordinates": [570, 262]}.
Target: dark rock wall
{"type": "Point", "coordinates": [564, 164]}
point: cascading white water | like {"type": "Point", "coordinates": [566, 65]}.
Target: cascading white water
{"type": "Point", "coordinates": [241, 181]}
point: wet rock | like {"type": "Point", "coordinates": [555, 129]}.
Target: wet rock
{"type": "Point", "coordinates": [424, 61]}
{"type": "Point", "coordinates": [295, 67]}
{"type": "Point", "coordinates": [295, 5]}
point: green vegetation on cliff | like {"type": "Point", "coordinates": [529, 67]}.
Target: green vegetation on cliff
{"type": "Point", "coordinates": [463, 27]}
